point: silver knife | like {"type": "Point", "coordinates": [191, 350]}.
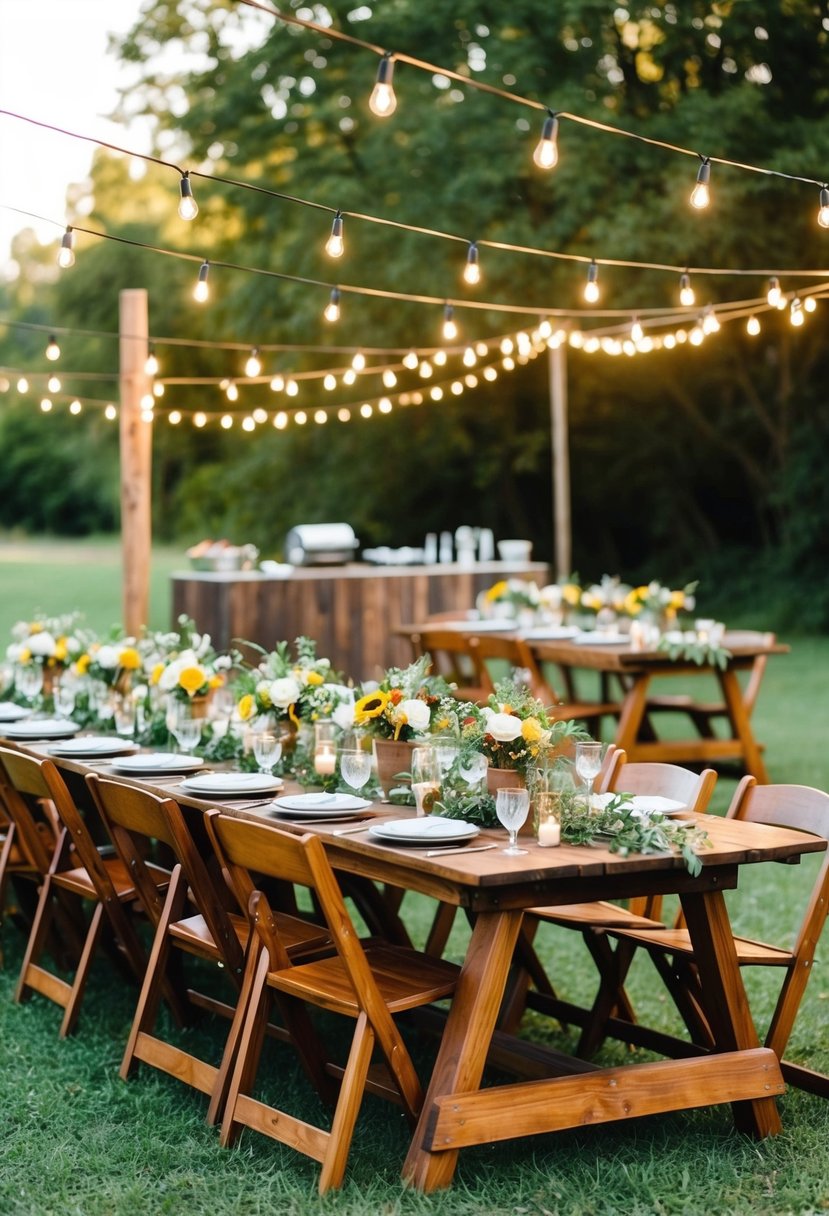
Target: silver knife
{"type": "Point", "coordinates": [461, 852]}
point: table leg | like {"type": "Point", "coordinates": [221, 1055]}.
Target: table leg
{"type": "Point", "coordinates": [633, 711]}
{"type": "Point", "coordinates": [724, 999]}
{"type": "Point", "coordinates": [466, 1037]}
{"type": "Point", "coordinates": [741, 725]}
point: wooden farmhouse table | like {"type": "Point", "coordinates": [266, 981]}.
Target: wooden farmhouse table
{"type": "Point", "coordinates": [494, 889]}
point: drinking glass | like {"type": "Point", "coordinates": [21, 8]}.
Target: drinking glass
{"type": "Point", "coordinates": [65, 694]}
{"type": "Point", "coordinates": [124, 713]}
{"type": "Point", "coordinates": [588, 765]}
{"type": "Point", "coordinates": [267, 749]}
{"type": "Point", "coordinates": [473, 768]}
{"type": "Point", "coordinates": [29, 681]}
{"type": "Point", "coordinates": [426, 779]}
{"type": "Point", "coordinates": [446, 749]}
{"type": "Point", "coordinates": [182, 724]}
{"type": "Point", "coordinates": [355, 767]}
{"type": "Point", "coordinates": [512, 805]}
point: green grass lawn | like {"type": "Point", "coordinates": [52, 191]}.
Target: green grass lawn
{"type": "Point", "coordinates": [77, 1141]}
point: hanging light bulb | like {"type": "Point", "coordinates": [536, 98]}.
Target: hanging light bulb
{"type": "Point", "coordinates": [344, 413]}
{"type": "Point", "coordinates": [823, 210]}
{"type": "Point", "coordinates": [199, 419]}
{"type": "Point", "coordinates": [23, 385]}
{"type": "Point", "coordinates": [332, 308]}
{"type": "Point", "coordinates": [700, 195]}
{"type": "Point", "coordinates": [450, 328]}
{"type": "Point", "coordinates": [45, 404]}
{"type": "Point", "coordinates": [389, 378]}
{"type": "Point", "coordinates": [232, 392]}
{"type": "Point", "coordinates": [52, 349]}
{"type": "Point", "coordinates": [158, 390]}
{"type": "Point", "coordinates": [591, 287]}
{"type": "Point", "coordinates": [188, 208]}
{"type": "Point", "coordinates": [110, 413]}
{"type": "Point", "coordinates": [53, 384]}
{"type": "Point", "coordinates": [227, 421]}
{"type": "Point", "coordinates": [280, 420]}
{"type": "Point", "coordinates": [349, 377]}
{"type": "Point", "coordinates": [253, 367]}
{"type": "Point", "coordinates": [151, 366]}
{"type": "Point", "coordinates": [546, 150]}
{"type": "Point", "coordinates": [75, 407]}
{"type": "Point", "coordinates": [292, 388]}
{"type": "Point", "coordinates": [260, 415]}
{"type": "Point", "coordinates": [383, 101]}
{"type": "Point", "coordinates": [810, 304]}
{"type": "Point", "coordinates": [334, 246]}
{"type": "Point", "coordinates": [359, 361]}
{"type": "Point", "coordinates": [796, 315]}
{"type": "Point", "coordinates": [365, 410]}
{"type": "Point", "coordinates": [329, 382]}
{"type": "Point", "coordinates": [752, 327]}
{"type": "Point", "coordinates": [425, 369]}
{"type": "Point", "coordinates": [637, 333]}
{"type": "Point", "coordinates": [201, 291]}
{"type": "Point", "coordinates": [472, 270]}
{"type": "Point", "coordinates": [277, 384]}
{"type": "Point", "coordinates": [710, 324]}
{"type": "Point", "coordinates": [439, 358]}
{"type": "Point", "coordinates": [410, 360]}
{"type": "Point", "coordinates": [320, 417]}
{"type": "Point", "coordinates": [774, 292]}
{"type": "Point", "coordinates": [300, 417]}
{"type": "Point", "coordinates": [469, 357]}
{"type": "Point", "coordinates": [687, 298]}
{"type": "Point", "coordinates": [66, 253]}
{"type": "Point", "coordinates": [174, 417]}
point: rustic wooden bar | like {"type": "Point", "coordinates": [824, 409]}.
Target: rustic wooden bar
{"type": "Point", "coordinates": [351, 611]}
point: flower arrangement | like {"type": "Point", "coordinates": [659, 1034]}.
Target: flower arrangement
{"type": "Point", "coordinates": [114, 662]}
{"type": "Point", "coordinates": [609, 594]}
{"type": "Point", "coordinates": [294, 688]}
{"type": "Point", "coordinates": [407, 704]}
{"type": "Point", "coordinates": [515, 593]}
{"type": "Point", "coordinates": [659, 601]}
{"type": "Point", "coordinates": [514, 730]}
{"type": "Point", "coordinates": [53, 642]}
{"type": "Point", "coordinates": [183, 664]}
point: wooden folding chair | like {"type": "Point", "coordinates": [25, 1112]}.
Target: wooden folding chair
{"type": "Point", "coordinates": [76, 876]}
{"type": "Point", "coordinates": [369, 983]}
{"type": "Point", "coordinates": [566, 702]}
{"type": "Point", "coordinates": [799, 808]}
{"type": "Point", "coordinates": [193, 918]}
{"type": "Point", "coordinates": [25, 847]}
{"type": "Point", "coordinates": [694, 790]}
{"type": "Point", "coordinates": [454, 659]}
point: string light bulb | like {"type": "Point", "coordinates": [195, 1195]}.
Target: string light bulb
{"type": "Point", "coordinates": [174, 417]}
{"type": "Point", "coordinates": [23, 385]}
{"type": "Point", "coordinates": [332, 308]}
{"type": "Point", "coordinates": [329, 382]}
{"type": "Point", "coordinates": [450, 327]}
{"type": "Point", "coordinates": [75, 407]}
{"type": "Point", "coordinates": [591, 287]}
{"type": "Point", "coordinates": [349, 377]}
{"type": "Point", "coordinates": [359, 361]}
{"type": "Point", "coordinates": [752, 327]}
{"type": "Point", "coordinates": [701, 195]}
{"type": "Point", "coordinates": [546, 150]}
{"type": "Point", "coordinates": [710, 324]}
{"type": "Point", "coordinates": [253, 367]}
{"type": "Point", "coordinates": [389, 378]}
{"type": "Point", "coordinates": [383, 101]}
{"type": "Point", "coordinates": [687, 297]}
{"type": "Point", "coordinates": [439, 358]}
{"type": "Point", "coordinates": [53, 384]}
{"type": "Point", "coordinates": [151, 365]}
{"type": "Point", "coordinates": [188, 208]}
{"type": "Point", "coordinates": [277, 384]}
{"type": "Point", "coordinates": [472, 269]}
{"type": "Point", "coordinates": [410, 360]}
{"type": "Point", "coordinates": [232, 392]}
{"type": "Point", "coordinates": [637, 333]}
{"type": "Point", "coordinates": [796, 315]}
{"type": "Point", "coordinates": [199, 419]}
{"type": "Point", "coordinates": [201, 291]}
{"type": "Point", "coordinates": [110, 412]}
{"type": "Point", "coordinates": [810, 304]}
{"type": "Point", "coordinates": [823, 210]}
{"type": "Point", "coordinates": [774, 293]}
{"type": "Point", "coordinates": [66, 253]}
{"type": "Point", "coordinates": [469, 357]}
{"type": "Point", "coordinates": [335, 246]}
{"type": "Point", "coordinates": [292, 388]}
{"type": "Point", "coordinates": [45, 404]}
{"type": "Point", "coordinates": [52, 349]}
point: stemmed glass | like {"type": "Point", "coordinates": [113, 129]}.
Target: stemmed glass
{"type": "Point", "coordinates": [588, 765]}
{"type": "Point", "coordinates": [447, 750]}
{"type": "Point", "coordinates": [29, 681]}
{"type": "Point", "coordinates": [512, 805]}
{"type": "Point", "coordinates": [426, 779]}
{"type": "Point", "coordinates": [355, 766]}
{"type": "Point", "coordinates": [473, 767]}
{"type": "Point", "coordinates": [65, 694]}
{"type": "Point", "coordinates": [267, 750]}
{"type": "Point", "coordinates": [124, 715]}
{"type": "Point", "coordinates": [182, 724]}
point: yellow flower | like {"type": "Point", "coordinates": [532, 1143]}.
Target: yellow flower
{"type": "Point", "coordinates": [370, 706]}
{"type": "Point", "coordinates": [36, 627]}
{"type": "Point", "coordinates": [25, 655]}
{"type": "Point", "coordinates": [215, 681]}
{"type": "Point", "coordinates": [61, 651]}
{"type": "Point", "coordinates": [571, 593]}
{"type": "Point", "coordinates": [591, 601]}
{"type": "Point", "coordinates": [82, 664]}
{"type": "Point", "coordinates": [677, 599]}
{"type": "Point", "coordinates": [531, 730]}
{"type": "Point", "coordinates": [129, 659]}
{"type": "Point", "coordinates": [192, 679]}
{"type": "Point", "coordinates": [156, 673]}
{"type": "Point", "coordinates": [442, 724]}
{"type": "Point", "coordinates": [314, 678]}
{"type": "Point", "coordinates": [496, 591]}
{"type": "Point", "coordinates": [632, 605]}
{"type": "Point", "coordinates": [247, 705]}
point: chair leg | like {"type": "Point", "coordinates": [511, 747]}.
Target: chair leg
{"type": "Point", "coordinates": [250, 1043]}
{"type": "Point", "coordinates": [220, 1096]}
{"type": "Point", "coordinates": [70, 1017]}
{"type": "Point", "coordinates": [37, 938]}
{"type": "Point", "coordinates": [348, 1106]}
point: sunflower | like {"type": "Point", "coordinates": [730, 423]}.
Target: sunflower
{"type": "Point", "coordinates": [372, 705]}
{"type": "Point", "coordinates": [246, 707]}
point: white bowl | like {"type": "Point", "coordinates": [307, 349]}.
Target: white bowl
{"type": "Point", "coordinates": [515, 550]}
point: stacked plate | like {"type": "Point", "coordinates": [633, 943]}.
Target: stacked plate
{"type": "Point", "coordinates": [148, 764]}
{"type": "Point", "coordinates": [41, 728]}
{"type": "Point", "coordinates": [90, 746]}
{"type": "Point", "coordinates": [423, 830]}
{"type": "Point", "coordinates": [644, 804]}
{"type": "Point", "coordinates": [320, 806]}
{"type": "Point", "coordinates": [230, 785]}
{"type": "Point", "coordinates": [9, 712]}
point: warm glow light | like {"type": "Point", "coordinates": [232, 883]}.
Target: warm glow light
{"type": "Point", "coordinates": [174, 417]}
{"type": "Point", "coordinates": [277, 384]}
{"type": "Point", "coordinates": [450, 328]}
{"type": "Point", "coordinates": [158, 389]}
{"type": "Point", "coordinates": [436, 392]}
{"type": "Point", "coordinates": [329, 382]}
{"type": "Point", "coordinates": [232, 392]}
{"type": "Point", "coordinates": [332, 308]}
{"type": "Point", "coordinates": [710, 324]}
{"type": "Point", "coordinates": [53, 384]}
{"type": "Point", "coordinates": [200, 419]}
{"type": "Point", "coordinates": [366, 410]}
{"type": "Point", "coordinates": [280, 420]}
{"type": "Point", "coordinates": [425, 369]}
{"type": "Point", "coordinates": [774, 292]}
{"type": "Point", "coordinates": [66, 253]}
{"type": "Point", "coordinates": [335, 246]}
{"type": "Point", "coordinates": [383, 101]}
{"type": "Point", "coordinates": [45, 404]}
{"type": "Point", "coordinates": [23, 385]}
{"type": "Point", "coordinates": [823, 210]}
{"type": "Point", "coordinates": [253, 367]}
{"type": "Point", "coordinates": [439, 358]}
{"type": "Point", "coordinates": [490, 374]}
{"type": "Point", "coordinates": [687, 296]}
{"type": "Point", "coordinates": [469, 357]}
{"type": "Point", "coordinates": [457, 387]}
{"type": "Point", "coordinates": [696, 336]}
{"type": "Point", "coordinates": [201, 291]}
{"type": "Point", "coordinates": [508, 363]}
{"type": "Point", "coordinates": [292, 388]}
{"type": "Point", "coordinates": [669, 341]}
{"type": "Point", "coordinates": [110, 413]}
{"type": "Point", "coordinates": [344, 413]}
{"type": "Point", "coordinates": [349, 376]}
{"type": "Point", "coordinates": [810, 303]}
{"type": "Point", "coordinates": [384, 405]}
{"type": "Point", "coordinates": [796, 315]}
{"type": "Point", "coordinates": [506, 346]}
{"type": "Point", "coordinates": [700, 195]}
{"type": "Point", "coordinates": [260, 415]}
{"type": "Point", "coordinates": [636, 331]}
{"type": "Point", "coordinates": [227, 421]}
{"type": "Point", "coordinates": [75, 407]}
{"type": "Point", "coordinates": [470, 380]}
{"type": "Point", "coordinates": [187, 206]}
{"type": "Point", "coordinates": [359, 361]}
{"type": "Point", "coordinates": [410, 360]}
{"type": "Point", "coordinates": [147, 416]}
{"type": "Point", "coordinates": [151, 365]}
{"type": "Point", "coordinates": [320, 417]}
{"type": "Point", "coordinates": [752, 327]}
{"type": "Point", "coordinates": [472, 270]}
{"type": "Point", "coordinates": [481, 350]}
{"type": "Point", "coordinates": [147, 401]}
{"type": "Point", "coordinates": [248, 424]}
{"type": "Point", "coordinates": [546, 150]}
{"type": "Point", "coordinates": [300, 417]}
{"type": "Point", "coordinates": [52, 349]}
{"type": "Point", "coordinates": [591, 287]}
{"type": "Point", "coordinates": [389, 378]}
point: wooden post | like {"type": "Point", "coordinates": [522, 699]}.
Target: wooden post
{"type": "Point", "coordinates": [136, 461]}
{"type": "Point", "coordinates": [562, 523]}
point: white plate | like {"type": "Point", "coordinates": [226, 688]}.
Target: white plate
{"type": "Point", "coordinates": [146, 763]}
{"type": "Point", "coordinates": [550, 633]}
{"type": "Point", "coordinates": [594, 638]}
{"type": "Point", "coordinates": [230, 785]}
{"type": "Point", "coordinates": [93, 745]}
{"type": "Point", "coordinates": [42, 728]}
{"type": "Point", "coordinates": [9, 712]}
{"type": "Point", "coordinates": [645, 804]}
{"type": "Point", "coordinates": [320, 806]}
{"type": "Point", "coordinates": [426, 829]}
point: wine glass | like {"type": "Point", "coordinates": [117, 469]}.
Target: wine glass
{"type": "Point", "coordinates": [29, 681]}
{"type": "Point", "coordinates": [588, 765]}
{"type": "Point", "coordinates": [426, 779]}
{"type": "Point", "coordinates": [473, 767]}
{"type": "Point", "coordinates": [124, 715]}
{"type": "Point", "coordinates": [184, 726]}
{"type": "Point", "coordinates": [267, 750]}
{"type": "Point", "coordinates": [512, 805]}
{"type": "Point", "coordinates": [447, 750]}
{"type": "Point", "coordinates": [65, 695]}
{"type": "Point", "coordinates": [355, 766]}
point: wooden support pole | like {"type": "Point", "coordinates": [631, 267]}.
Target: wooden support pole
{"type": "Point", "coordinates": [136, 461]}
{"type": "Point", "coordinates": [562, 523]}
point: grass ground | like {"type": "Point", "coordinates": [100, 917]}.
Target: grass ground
{"type": "Point", "coordinates": [77, 1141]}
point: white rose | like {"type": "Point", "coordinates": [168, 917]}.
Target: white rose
{"type": "Point", "coordinates": [170, 675]}
{"type": "Point", "coordinates": [42, 644]}
{"type": "Point", "coordinates": [343, 715]}
{"type": "Point", "coordinates": [504, 727]}
{"type": "Point", "coordinates": [284, 692]}
{"type": "Point", "coordinates": [223, 662]}
{"type": "Point", "coordinates": [14, 651]}
{"type": "Point", "coordinates": [416, 713]}
{"type": "Point", "coordinates": [107, 657]}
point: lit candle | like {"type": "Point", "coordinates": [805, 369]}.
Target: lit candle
{"type": "Point", "coordinates": [325, 762]}
{"type": "Point", "coordinates": [549, 833]}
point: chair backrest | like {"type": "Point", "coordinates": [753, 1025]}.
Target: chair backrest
{"type": "Point", "coordinates": [454, 659]}
{"type": "Point", "coordinates": [612, 761]}
{"type": "Point", "coordinates": [516, 652]}
{"type": "Point", "coordinates": [694, 790]}
{"type": "Point", "coordinates": [134, 816]}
